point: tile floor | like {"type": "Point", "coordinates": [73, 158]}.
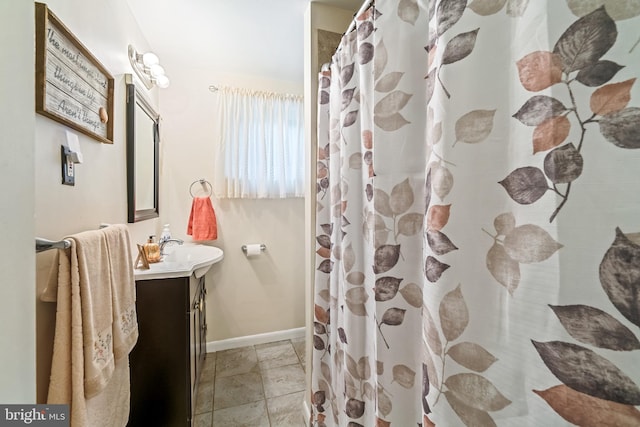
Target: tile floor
{"type": "Point", "coordinates": [256, 386]}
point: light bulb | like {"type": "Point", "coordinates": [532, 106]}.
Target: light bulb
{"type": "Point", "coordinates": [156, 70]}
{"type": "Point", "coordinates": [150, 59]}
{"type": "Point", "coordinates": [162, 81]}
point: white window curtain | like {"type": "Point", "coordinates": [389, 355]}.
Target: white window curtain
{"type": "Point", "coordinates": [259, 144]}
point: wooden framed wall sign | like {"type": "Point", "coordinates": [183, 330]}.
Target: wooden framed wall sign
{"type": "Point", "coordinates": [72, 87]}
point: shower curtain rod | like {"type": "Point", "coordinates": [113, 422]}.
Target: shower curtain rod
{"type": "Point", "coordinates": [352, 25]}
{"type": "Point", "coordinates": [366, 5]}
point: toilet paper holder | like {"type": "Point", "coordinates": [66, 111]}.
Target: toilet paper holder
{"type": "Point", "coordinates": [263, 248]}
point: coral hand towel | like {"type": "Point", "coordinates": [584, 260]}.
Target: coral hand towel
{"type": "Point", "coordinates": [202, 220]}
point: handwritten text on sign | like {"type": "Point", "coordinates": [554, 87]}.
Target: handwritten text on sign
{"type": "Point", "coordinates": [77, 91]}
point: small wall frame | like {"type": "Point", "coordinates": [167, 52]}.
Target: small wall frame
{"type": "Point", "coordinates": [72, 86]}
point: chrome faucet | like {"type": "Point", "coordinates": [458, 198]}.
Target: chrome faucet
{"type": "Point", "coordinates": [163, 243]}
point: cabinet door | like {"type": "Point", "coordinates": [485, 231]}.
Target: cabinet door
{"type": "Point", "coordinates": [198, 332]}
{"type": "Point", "coordinates": [203, 322]}
{"type": "Point", "coordinates": [198, 335]}
{"type": "Point", "coordinates": [159, 361]}
{"type": "Point", "coordinates": [194, 316]}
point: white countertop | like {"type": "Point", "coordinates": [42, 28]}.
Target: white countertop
{"type": "Point", "coordinates": [182, 261]}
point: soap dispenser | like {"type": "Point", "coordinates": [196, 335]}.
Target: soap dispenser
{"type": "Point", "coordinates": [166, 233]}
{"type": "Point", "coordinates": [152, 249]}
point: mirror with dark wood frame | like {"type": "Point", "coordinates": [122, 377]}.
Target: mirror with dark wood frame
{"type": "Point", "coordinates": [143, 152]}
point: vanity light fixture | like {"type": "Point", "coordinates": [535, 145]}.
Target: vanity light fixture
{"type": "Point", "coordinates": [147, 67]}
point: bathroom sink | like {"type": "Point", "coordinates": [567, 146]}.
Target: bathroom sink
{"type": "Point", "coordinates": [182, 261]}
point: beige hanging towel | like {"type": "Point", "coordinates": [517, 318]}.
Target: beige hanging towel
{"type": "Point", "coordinates": [95, 324]}
{"type": "Point", "coordinates": [125, 324]}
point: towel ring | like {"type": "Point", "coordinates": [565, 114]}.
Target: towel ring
{"type": "Point", "coordinates": [203, 182]}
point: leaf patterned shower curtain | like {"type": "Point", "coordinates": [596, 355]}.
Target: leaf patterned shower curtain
{"type": "Point", "coordinates": [478, 216]}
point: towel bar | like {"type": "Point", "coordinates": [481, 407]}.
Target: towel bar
{"type": "Point", "coordinates": [44, 244]}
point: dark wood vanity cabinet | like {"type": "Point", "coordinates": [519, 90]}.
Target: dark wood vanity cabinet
{"type": "Point", "coordinates": [167, 360]}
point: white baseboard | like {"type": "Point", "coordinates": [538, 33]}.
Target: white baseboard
{"type": "Point", "coordinates": [213, 346]}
